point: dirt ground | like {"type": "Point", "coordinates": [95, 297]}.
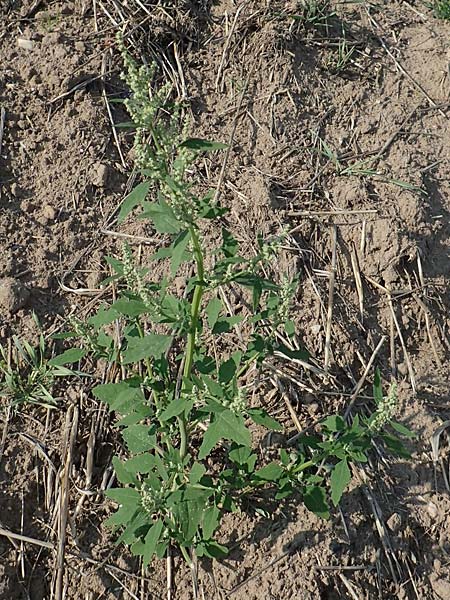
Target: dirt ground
{"type": "Point", "coordinates": [350, 155]}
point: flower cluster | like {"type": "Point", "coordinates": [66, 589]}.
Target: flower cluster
{"type": "Point", "coordinates": [157, 143]}
{"type": "Point", "coordinates": [385, 410]}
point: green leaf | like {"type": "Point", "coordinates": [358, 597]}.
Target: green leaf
{"type": "Point", "coordinates": [229, 244]}
{"type": "Point", "coordinates": [334, 423]}
{"type": "Point", "coordinates": [202, 145]}
{"type": "Point", "coordinates": [227, 425]}
{"type": "Point", "coordinates": [129, 307]}
{"type": "Point", "coordinates": [123, 475]}
{"type": "Point", "coordinates": [377, 387]}
{"type": "Point", "coordinates": [197, 472]}
{"type": "Point", "coordinates": [188, 506]}
{"type": "Point", "coordinates": [297, 354]}
{"type": "Point", "coordinates": [68, 357]}
{"type": "Point", "coordinates": [104, 316]}
{"type": "Point", "coordinates": [141, 463]}
{"type": "Point", "coordinates": [289, 328]}
{"type": "Point", "coordinates": [122, 516]}
{"type": "Point", "coordinates": [225, 324]}
{"type": "Point", "coordinates": [402, 430]}
{"type": "Point", "coordinates": [260, 417]}
{"type": "Point", "coordinates": [213, 311]}
{"type": "Point", "coordinates": [271, 472]}
{"type": "Point", "coordinates": [134, 198]}
{"type": "Point", "coordinates": [315, 500]}
{"type": "Point", "coordinates": [138, 438]}
{"type": "Point", "coordinates": [124, 496]}
{"type": "Point", "coordinates": [227, 371]}
{"type": "Point", "coordinates": [121, 397]}
{"type": "Point", "coordinates": [151, 540]}
{"type": "Point", "coordinates": [340, 478]}
{"type": "Point", "coordinates": [152, 344]}
{"type": "Point", "coordinates": [179, 252]}
{"type": "Point", "coordinates": [163, 217]}
{"type": "Point", "coordinates": [211, 519]}
{"type": "Point", "coordinates": [175, 408]}
{"type": "Point", "coordinates": [211, 549]}
{"type": "Point", "coordinates": [395, 445]}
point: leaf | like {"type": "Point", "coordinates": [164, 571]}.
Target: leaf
{"type": "Point", "coordinates": [225, 324]}
{"type": "Point", "coordinates": [153, 344]}
{"type": "Point", "coordinates": [270, 472]}
{"type": "Point", "coordinates": [141, 463]}
{"type": "Point", "coordinates": [179, 253]}
{"type": "Point", "coordinates": [68, 357]}
{"type": "Point", "coordinates": [211, 519]}
{"type": "Point", "coordinates": [240, 454]}
{"type": "Point", "coordinates": [202, 145]}
{"type": "Point", "coordinates": [296, 354]}
{"type": "Point", "coordinates": [334, 423]}
{"type": "Point", "coordinates": [395, 445]}
{"type": "Point", "coordinates": [227, 371]}
{"type": "Point", "coordinates": [124, 496]}
{"type": "Point", "coordinates": [197, 472]}
{"type": "Point", "coordinates": [134, 198]}
{"type": "Point", "coordinates": [188, 507]}
{"type": "Point", "coordinates": [104, 316]}
{"type": "Point", "coordinates": [162, 216]}
{"type": "Point", "coordinates": [314, 498]}
{"type": "Point", "coordinates": [211, 549]}
{"type": "Point", "coordinates": [227, 425]}
{"type": "Point", "coordinates": [402, 430]}
{"type": "Point", "coordinates": [340, 478]}
{"type": "Point", "coordinates": [122, 516]}
{"type": "Point", "coordinates": [151, 540]}
{"type": "Point", "coordinates": [213, 311]}
{"type": "Point", "coordinates": [175, 408]}
{"type": "Point", "coordinates": [138, 438]}
{"type": "Point", "coordinates": [129, 307]}
{"type": "Point", "coordinates": [289, 328]}
{"type": "Point", "coordinates": [260, 417]}
{"type": "Point", "coordinates": [230, 245]}
{"type": "Point", "coordinates": [377, 387]}
{"type": "Point", "coordinates": [123, 475]}
{"type": "Point", "coordinates": [121, 397]}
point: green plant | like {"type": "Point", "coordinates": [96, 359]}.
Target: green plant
{"type": "Point", "coordinates": [313, 13]}
{"type": "Point", "coordinates": [441, 9]}
{"type": "Point", "coordinates": [27, 376]}
{"type": "Point", "coordinates": [341, 58]}
{"type": "Point", "coordinates": [182, 403]}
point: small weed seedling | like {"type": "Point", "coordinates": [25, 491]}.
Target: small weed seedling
{"type": "Point", "coordinates": [442, 9]}
{"type": "Point", "coordinates": [341, 58]}
{"type": "Point", "coordinates": [27, 377]}
{"type": "Point", "coordinates": [183, 412]}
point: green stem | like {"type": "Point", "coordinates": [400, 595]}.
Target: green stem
{"type": "Point", "coordinates": [192, 335]}
{"type": "Point", "coordinates": [186, 556]}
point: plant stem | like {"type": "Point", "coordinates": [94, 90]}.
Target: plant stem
{"type": "Point", "coordinates": [192, 335]}
{"type": "Point", "coordinates": [186, 556]}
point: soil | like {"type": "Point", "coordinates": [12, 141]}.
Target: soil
{"type": "Point", "coordinates": [352, 161]}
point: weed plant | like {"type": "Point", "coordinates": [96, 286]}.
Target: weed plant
{"type": "Point", "coordinates": [183, 412]}
{"type": "Point", "coordinates": [27, 376]}
{"type": "Point", "coordinates": [442, 9]}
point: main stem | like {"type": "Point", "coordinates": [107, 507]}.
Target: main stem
{"type": "Point", "coordinates": [192, 335]}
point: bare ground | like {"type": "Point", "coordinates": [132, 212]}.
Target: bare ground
{"type": "Point", "coordinates": [353, 161]}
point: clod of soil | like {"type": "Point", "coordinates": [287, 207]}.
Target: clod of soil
{"type": "Point", "coordinates": [13, 295]}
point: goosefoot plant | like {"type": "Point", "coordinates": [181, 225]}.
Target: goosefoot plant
{"type": "Point", "coordinates": [183, 410]}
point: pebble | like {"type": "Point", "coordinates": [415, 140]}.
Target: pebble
{"type": "Point", "coordinates": [100, 173]}
{"type": "Point", "coordinates": [394, 522]}
{"type": "Point", "coordinates": [48, 212]}
{"type": "Point", "coordinates": [13, 295]}
{"type": "Point", "coordinates": [441, 587]}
